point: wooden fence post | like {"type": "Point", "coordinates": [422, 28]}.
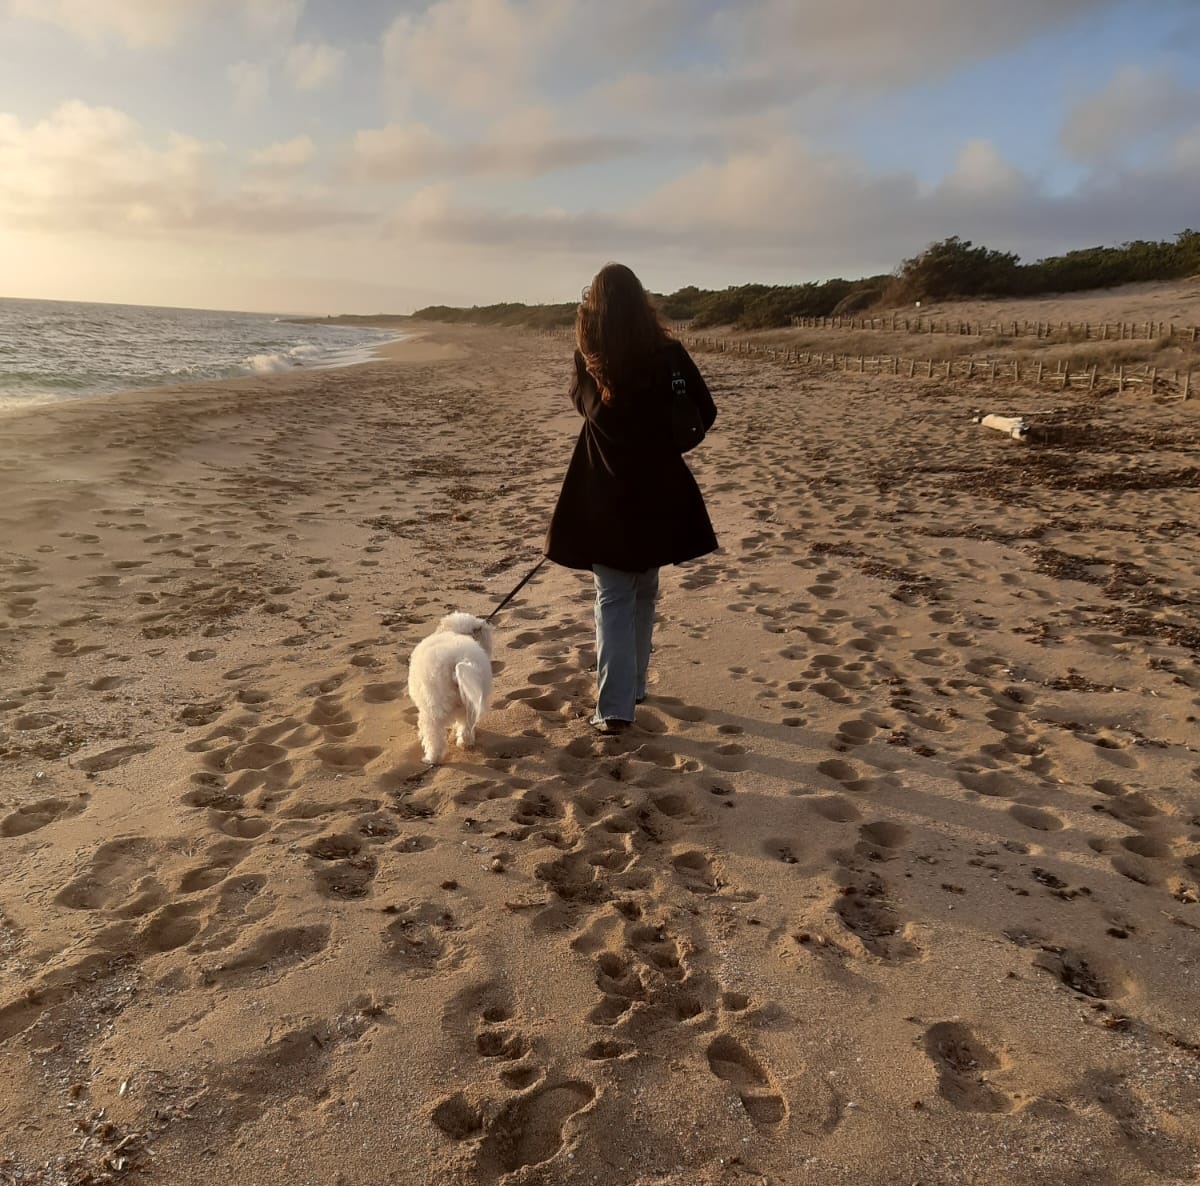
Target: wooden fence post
{"type": "Point", "coordinates": [1121, 379]}
{"type": "Point", "coordinates": [1187, 385]}
{"type": "Point", "coordinates": [1041, 364]}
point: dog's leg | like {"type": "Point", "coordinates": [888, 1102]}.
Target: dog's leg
{"type": "Point", "coordinates": [433, 738]}
{"type": "Point", "coordinates": [464, 732]}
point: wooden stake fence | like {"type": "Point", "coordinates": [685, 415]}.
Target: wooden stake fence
{"type": "Point", "coordinates": [997, 371]}
{"type": "Point", "coordinates": [972, 369]}
{"type": "Point", "coordinates": [1074, 330]}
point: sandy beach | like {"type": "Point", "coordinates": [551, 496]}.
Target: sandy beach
{"type": "Point", "coordinates": [894, 882]}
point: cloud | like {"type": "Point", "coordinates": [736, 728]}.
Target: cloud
{"type": "Point", "coordinates": [748, 60]}
{"type": "Point", "coordinates": [273, 18]}
{"type": "Point", "coordinates": [285, 155]}
{"type": "Point", "coordinates": [1187, 150]}
{"type": "Point", "coordinates": [250, 82]}
{"type": "Point", "coordinates": [788, 211]}
{"type": "Point", "coordinates": [139, 23]}
{"type": "Point", "coordinates": [476, 54]}
{"type": "Point", "coordinates": [858, 45]}
{"type": "Point", "coordinates": [1135, 105]}
{"type": "Point", "coordinates": [983, 176]}
{"type": "Point", "coordinates": [403, 152]}
{"type": "Point", "coordinates": [312, 65]}
{"type": "Point", "coordinates": [434, 214]}
{"type": "Point", "coordinates": [92, 168]}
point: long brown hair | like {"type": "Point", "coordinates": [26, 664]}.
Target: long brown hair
{"type": "Point", "coordinates": [617, 329]}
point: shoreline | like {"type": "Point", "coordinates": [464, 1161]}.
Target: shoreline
{"type": "Point", "coordinates": [338, 360]}
{"type": "Point", "coordinates": [416, 349]}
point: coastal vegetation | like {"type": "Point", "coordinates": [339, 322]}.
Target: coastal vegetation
{"type": "Point", "coordinates": [951, 268]}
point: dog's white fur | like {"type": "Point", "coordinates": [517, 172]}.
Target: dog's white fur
{"type": "Point", "coordinates": [450, 681]}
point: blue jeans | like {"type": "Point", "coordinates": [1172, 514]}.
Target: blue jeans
{"type": "Point", "coordinates": [624, 626]}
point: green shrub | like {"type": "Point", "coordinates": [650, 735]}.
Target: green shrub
{"type": "Point", "coordinates": [952, 268]}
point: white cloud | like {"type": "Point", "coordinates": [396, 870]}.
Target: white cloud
{"type": "Point", "coordinates": [786, 212]}
{"type": "Point", "coordinates": [139, 23]}
{"type": "Point", "coordinates": [402, 152]}
{"type": "Point", "coordinates": [312, 65]}
{"type": "Point", "coordinates": [760, 55]}
{"type": "Point", "coordinates": [92, 168]}
{"type": "Point", "coordinates": [1135, 105]}
{"type": "Point", "coordinates": [273, 18]}
{"type": "Point", "coordinates": [856, 45]}
{"type": "Point", "coordinates": [480, 54]}
{"type": "Point", "coordinates": [434, 213]}
{"type": "Point", "coordinates": [145, 23]}
{"type": "Point", "coordinates": [1187, 150]}
{"type": "Point", "coordinates": [250, 82]}
{"type": "Point", "coordinates": [286, 155]}
{"type": "Point", "coordinates": [982, 175]}
{"type": "Point", "coordinates": [754, 195]}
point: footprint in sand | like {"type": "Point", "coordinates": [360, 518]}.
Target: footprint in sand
{"type": "Point", "coordinates": [962, 1061]}
{"type": "Point", "coordinates": [527, 1131]}
{"type": "Point", "coordinates": [269, 956]}
{"type": "Point", "coordinates": [864, 909]}
{"type": "Point", "coordinates": [172, 927]}
{"type": "Point", "coordinates": [835, 808]}
{"type": "Point", "coordinates": [729, 1060]}
{"type": "Point", "coordinates": [621, 984]}
{"type": "Point", "coordinates": [883, 834]}
{"type": "Point", "coordinates": [107, 880]}
{"type": "Point", "coordinates": [1035, 818]}
{"type": "Point", "coordinates": [111, 758]}
{"type": "Point", "coordinates": [1097, 977]}
{"type": "Point", "coordinates": [34, 816]}
{"type": "Point", "coordinates": [340, 869]}
{"type": "Point", "coordinates": [420, 941]}
{"type": "Point", "coordinates": [696, 872]}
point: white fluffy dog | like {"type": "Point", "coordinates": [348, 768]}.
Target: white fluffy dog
{"type": "Point", "coordinates": [450, 681]}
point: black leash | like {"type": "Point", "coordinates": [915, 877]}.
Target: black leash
{"type": "Point", "coordinates": [524, 581]}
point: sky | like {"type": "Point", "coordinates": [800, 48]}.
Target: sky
{"type": "Point", "coordinates": [329, 156]}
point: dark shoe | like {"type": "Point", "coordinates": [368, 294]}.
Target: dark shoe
{"type": "Point", "coordinates": [611, 726]}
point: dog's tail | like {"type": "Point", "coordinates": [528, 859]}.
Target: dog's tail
{"type": "Point", "coordinates": [472, 687]}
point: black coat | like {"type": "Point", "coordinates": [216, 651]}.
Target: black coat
{"type": "Point", "coordinates": [629, 500]}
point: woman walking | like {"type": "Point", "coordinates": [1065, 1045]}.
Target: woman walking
{"type": "Point", "coordinates": [629, 503]}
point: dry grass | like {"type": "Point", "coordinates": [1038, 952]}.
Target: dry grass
{"type": "Point", "coordinates": [1166, 353]}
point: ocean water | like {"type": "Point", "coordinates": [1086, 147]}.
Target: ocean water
{"type": "Point", "coordinates": [57, 350]}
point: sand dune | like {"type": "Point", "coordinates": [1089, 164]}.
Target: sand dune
{"type": "Point", "coordinates": [895, 881]}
